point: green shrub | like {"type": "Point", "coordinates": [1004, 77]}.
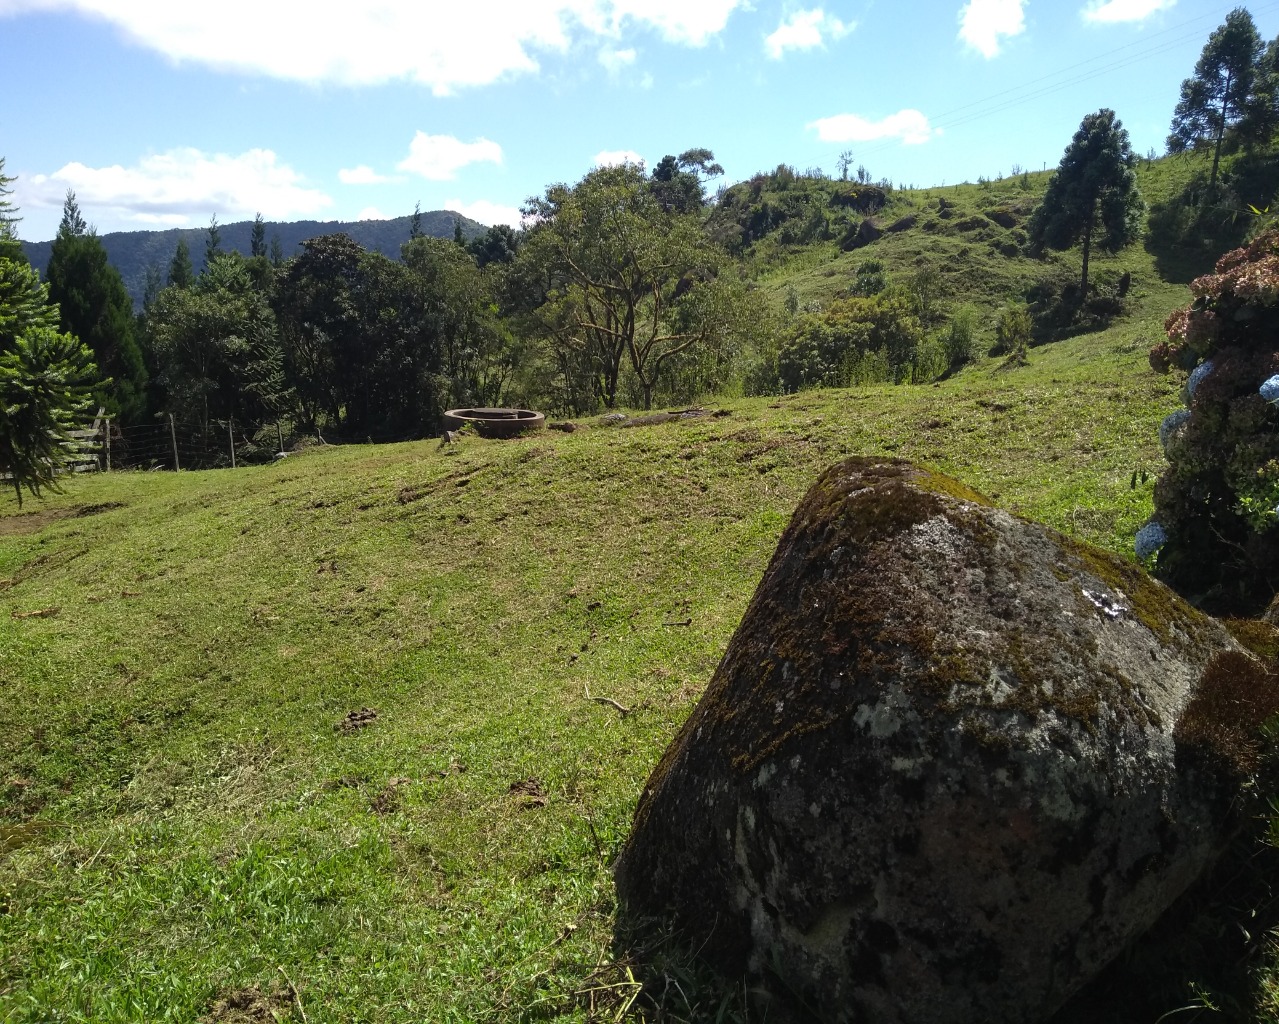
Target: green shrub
{"type": "Point", "coordinates": [930, 361]}
{"type": "Point", "coordinates": [869, 278]}
{"type": "Point", "coordinates": [1012, 331]}
{"type": "Point", "coordinates": [959, 339]}
{"type": "Point", "coordinates": [852, 341]}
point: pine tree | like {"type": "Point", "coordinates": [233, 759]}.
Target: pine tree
{"type": "Point", "coordinates": [1093, 187]}
{"type": "Point", "coordinates": [180, 273]}
{"type": "Point", "coordinates": [415, 222]}
{"type": "Point", "coordinates": [72, 223]}
{"type": "Point", "coordinates": [1261, 122]}
{"type": "Point", "coordinates": [212, 241]}
{"type": "Point", "coordinates": [1216, 98]}
{"type": "Point", "coordinates": [257, 242]}
{"type": "Point", "coordinates": [95, 308]}
{"type": "Point", "coordinates": [10, 247]}
{"type": "Point", "coordinates": [459, 239]}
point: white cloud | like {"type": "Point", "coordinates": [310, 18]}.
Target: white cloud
{"type": "Point", "coordinates": [372, 213]}
{"type": "Point", "coordinates": [442, 46]}
{"type": "Point", "coordinates": [616, 157]}
{"type": "Point", "coordinates": [615, 60]}
{"type": "Point", "coordinates": [182, 186]}
{"type": "Point", "coordinates": [361, 175]}
{"type": "Point", "coordinates": [486, 212]}
{"type": "Point", "coordinates": [804, 30]}
{"type": "Point", "coordinates": [1112, 11]}
{"type": "Point", "coordinates": [687, 22]}
{"type": "Point", "coordinates": [983, 23]}
{"type": "Point", "coordinates": [910, 126]}
{"type": "Point", "coordinates": [440, 157]}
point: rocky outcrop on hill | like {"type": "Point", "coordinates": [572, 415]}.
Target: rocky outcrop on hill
{"type": "Point", "coordinates": [867, 231]}
{"type": "Point", "coordinates": [950, 765]}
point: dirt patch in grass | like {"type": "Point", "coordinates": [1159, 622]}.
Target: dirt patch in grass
{"type": "Point", "coordinates": [528, 793]}
{"type": "Point", "coordinates": [250, 1006]}
{"type": "Point", "coordinates": [33, 522]}
{"type": "Point", "coordinates": [356, 720]}
{"type": "Point", "coordinates": [387, 800]}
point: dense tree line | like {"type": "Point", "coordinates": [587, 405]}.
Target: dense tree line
{"type": "Point", "coordinates": [613, 293]}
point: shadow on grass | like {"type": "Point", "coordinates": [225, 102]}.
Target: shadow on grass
{"type": "Point", "coordinates": [1190, 231]}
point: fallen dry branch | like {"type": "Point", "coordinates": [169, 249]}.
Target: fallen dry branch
{"type": "Point", "coordinates": [620, 708]}
{"type": "Point", "coordinates": [39, 613]}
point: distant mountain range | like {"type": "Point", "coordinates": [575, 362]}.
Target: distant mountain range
{"type": "Point", "coordinates": [132, 252]}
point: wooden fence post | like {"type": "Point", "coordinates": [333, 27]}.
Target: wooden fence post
{"type": "Point", "coordinates": [173, 435]}
{"type": "Point", "coordinates": [230, 429]}
{"type": "Point", "coordinates": [108, 444]}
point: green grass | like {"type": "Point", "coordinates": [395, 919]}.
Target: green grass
{"type": "Point", "coordinates": [980, 261]}
{"type": "Point", "coordinates": [184, 820]}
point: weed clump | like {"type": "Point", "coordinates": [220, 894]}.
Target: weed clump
{"type": "Point", "coordinates": [1217, 504]}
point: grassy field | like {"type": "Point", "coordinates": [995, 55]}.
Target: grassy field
{"type": "Point", "coordinates": [194, 825]}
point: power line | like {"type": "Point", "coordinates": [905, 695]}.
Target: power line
{"type": "Point", "coordinates": [1164, 40]}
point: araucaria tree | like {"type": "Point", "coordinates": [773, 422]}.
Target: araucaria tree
{"type": "Point", "coordinates": [1093, 189]}
{"type": "Point", "coordinates": [1219, 95]}
{"type": "Point", "coordinates": [45, 375]}
{"type": "Point", "coordinates": [621, 277]}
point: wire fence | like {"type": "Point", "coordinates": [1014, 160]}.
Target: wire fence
{"type": "Point", "coordinates": [168, 445]}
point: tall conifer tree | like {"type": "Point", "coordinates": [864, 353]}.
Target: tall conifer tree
{"type": "Point", "coordinates": [95, 307]}
{"type": "Point", "coordinates": [45, 375]}
{"type": "Point", "coordinates": [1217, 97]}
{"type": "Point", "coordinates": [180, 273]}
{"type": "Point", "coordinates": [1093, 188]}
{"type": "Point", "coordinates": [257, 242]}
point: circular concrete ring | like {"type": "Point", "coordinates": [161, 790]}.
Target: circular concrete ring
{"type": "Point", "coordinates": [495, 422]}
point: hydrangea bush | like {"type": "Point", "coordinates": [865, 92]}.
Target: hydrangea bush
{"type": "Point", "coordinates": [1215, 532]}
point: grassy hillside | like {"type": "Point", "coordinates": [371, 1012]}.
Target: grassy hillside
{"type": "Point", "coordinates": [799, 239]}
{"type": "Point", "coordinates": [188, 824]}
{"type": "Point", "coordinates": [319, 739]}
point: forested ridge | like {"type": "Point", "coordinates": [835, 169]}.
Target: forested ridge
{"type": "Point", "coordinates": [134, 253]}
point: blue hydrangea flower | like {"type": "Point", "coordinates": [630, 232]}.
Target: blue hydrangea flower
{"type": "Point", "coordinates": [1269, 389]}
{"type": "Point", "coordinates": [1169, 426]}
{"type": "Point", "coordinates": [1150, 538]}
{"type": "Point", "coordinates": [1198, 374]}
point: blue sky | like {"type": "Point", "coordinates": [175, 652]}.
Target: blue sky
{"type": "Point", "coordinates": [159, 113]}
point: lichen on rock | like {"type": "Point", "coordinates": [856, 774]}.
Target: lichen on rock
{"type": "Point", "coordinates": [938, 775]}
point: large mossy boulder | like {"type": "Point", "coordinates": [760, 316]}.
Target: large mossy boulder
{"type": "Point", "coordinates": [950, 765]}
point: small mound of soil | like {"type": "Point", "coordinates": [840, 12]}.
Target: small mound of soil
{"type": "Point", "coordinates": [250, 1006]}
{"type": "Point", "coordinates": [356, 720]}
{"type": "Point", "coordinates": [529, 792]}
